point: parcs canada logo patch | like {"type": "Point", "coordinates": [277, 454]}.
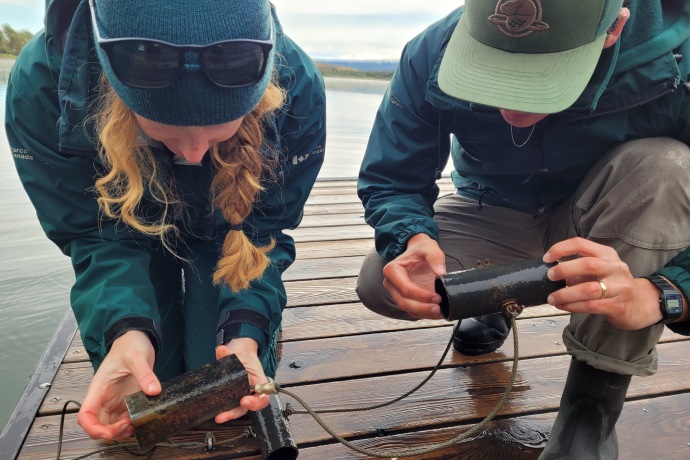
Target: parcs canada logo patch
{"type": "Point", "coordinates": [518, 18]}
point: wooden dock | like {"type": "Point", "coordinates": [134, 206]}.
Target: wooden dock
{"type": "Point", "coordinates": [335, 353]}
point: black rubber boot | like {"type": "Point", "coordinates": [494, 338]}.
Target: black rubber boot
{"type": "Point", "coordinates": [483, 334]}
{"type": "Point", "coordinates": [585, 428]}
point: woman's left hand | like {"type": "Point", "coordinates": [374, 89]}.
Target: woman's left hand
{"type": "Point", "coordinates": [246, 350]}
{"type": "Point", "coordinates": [599, 282]}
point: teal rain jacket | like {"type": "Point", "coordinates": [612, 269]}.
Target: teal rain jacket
{"type": "Point", "coordinates": [639, 89]}
{"type": "Point", "coordinates": [49, 91]}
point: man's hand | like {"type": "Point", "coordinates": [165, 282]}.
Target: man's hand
{"type": "Point", "coordinates": [410, 277]}
{"type": "Point", "coordinates": [627, 302]}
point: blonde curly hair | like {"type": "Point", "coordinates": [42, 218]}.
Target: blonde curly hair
{"type": "Point", "coordinates": [132, 169]}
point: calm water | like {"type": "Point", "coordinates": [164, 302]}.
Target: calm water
{"type": "Point", "coordinates": [35, 277]}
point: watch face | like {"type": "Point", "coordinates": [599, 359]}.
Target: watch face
{"type": "Point", "coordinates": [674, 304]}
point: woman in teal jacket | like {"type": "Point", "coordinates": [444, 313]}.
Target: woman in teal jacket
{"type": "Point", "coordinates": [166, 145]}
{"type": "Point", "coordinates": [568, 124]}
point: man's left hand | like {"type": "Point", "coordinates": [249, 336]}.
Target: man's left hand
{"type": "Point", "coordinates": [599, 282]}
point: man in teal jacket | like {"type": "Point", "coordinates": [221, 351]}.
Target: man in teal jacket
{"type": "Point", "coordinates": [169, 288]}
{"type": "Point", "coordinates": [568, 125]}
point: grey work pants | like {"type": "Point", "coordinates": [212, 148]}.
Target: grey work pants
{"type": "Point", "coordinates": [635, 199]}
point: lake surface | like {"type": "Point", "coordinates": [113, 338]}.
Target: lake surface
{"type": "Point", "coordinates": [35, 277]}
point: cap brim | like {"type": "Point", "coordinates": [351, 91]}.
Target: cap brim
{"type": "Point", "coordinates": [532, 83]}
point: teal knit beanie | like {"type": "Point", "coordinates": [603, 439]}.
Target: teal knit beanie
{"type": "Point", "coordinates": [192, 99]}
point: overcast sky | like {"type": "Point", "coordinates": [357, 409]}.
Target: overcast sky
{"type": "Point", "coordinates": [353, 29]}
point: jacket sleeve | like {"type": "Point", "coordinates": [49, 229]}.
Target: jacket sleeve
{"type": "Point", "coordinates": [406, 152]}
{"type": "Point", "coordinates": [301, 128]}
{"type": "Point", "coordinates": [111, 293]}
{"type": "Point", "coordinates": [677, 270]}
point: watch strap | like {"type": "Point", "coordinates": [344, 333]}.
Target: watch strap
{"type": "Point", "coordinates": [666, 290]}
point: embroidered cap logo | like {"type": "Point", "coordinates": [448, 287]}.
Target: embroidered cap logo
{"type": "Point", "coordinates": [518, 18]}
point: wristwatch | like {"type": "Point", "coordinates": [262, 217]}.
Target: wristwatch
{"type": "Point", "coordinates": [670, 299]}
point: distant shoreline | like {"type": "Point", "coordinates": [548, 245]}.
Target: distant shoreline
{"type": "Point", "coordinates": [326, 69]}
{"type": "Point", "coordinates": [330, 70]}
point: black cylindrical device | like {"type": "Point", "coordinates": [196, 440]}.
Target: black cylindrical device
{"type": "Point", "coordinates": [187, 401]}
{"type": "Point", "coordinates": [273, 432]}
{"type": "Point", "coordinates": [479, 291]}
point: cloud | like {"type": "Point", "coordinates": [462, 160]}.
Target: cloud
{"type": "Point", "coordinates": [365, 7]}
{"type": "Point", "coordinates": [366, 40]}
{"type": "Point", "coordinates": [357, 29]}
{"type": "Point", "coordinates": [354, 29]}
{"type": "Point", "coordinates": [23, 14]}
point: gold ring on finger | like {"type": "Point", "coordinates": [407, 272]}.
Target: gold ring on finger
{"type": "Point", "coordinates": [604, 290]}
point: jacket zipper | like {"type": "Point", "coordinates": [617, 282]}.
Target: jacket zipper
{"type": "Point", "coordinates": [77, 153]}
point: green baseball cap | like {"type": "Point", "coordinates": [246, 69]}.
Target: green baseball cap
{"type": "Point", "coordinates": [534, 56]}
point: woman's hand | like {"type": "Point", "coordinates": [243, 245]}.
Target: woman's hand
{"type": "Point", "coordinates": [246, 350]}
{"type": "Point", "coordinates": [126, 369]}
{"type": "Point", "coordinates": [410, 277]}
{"type": "Point", "coordinates": [599, 282]}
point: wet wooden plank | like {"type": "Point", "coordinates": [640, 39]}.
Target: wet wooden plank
{"type": "Point", "coordinates": [351, 232]}
{"type": "Point", "coordinates": [20, 421]}
{"type": "Point", "coordinates": [339, 198]}
{"type": "Point", "coordinates": [315, 269]}
{"type": "Point", "coordinates": [454, 396]}
{"type": "Point", "coordinates": [320, 292]}
{"type": "Point", "coordinates": [42, 442]}
{"type": "Point", "coordinates": [464, 394]}
{"type": "Point", "coordinates": [320, 322]}
{"type": "Point", "coordinates": [341, 248]}
{"type": "Point", "coordinates": [656, 428]}
{"type": "Point", "coordinates": [384, 353]}
{"type": "Point", "coordinates": [332, 208]}
{"type": "Point", "coordinates": [325, 188]}
{"type": "Point", "coordinates": [306, 323]}
{"type": "Point", "coordinates": [332, 220]}
{"type": "Point", "coordinates": [334, 352]}
{"type": "Point", "coordinates": [361, 356]}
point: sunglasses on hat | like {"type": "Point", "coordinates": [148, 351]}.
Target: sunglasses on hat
{"type": "Point", "coordinates": [151, 64]}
